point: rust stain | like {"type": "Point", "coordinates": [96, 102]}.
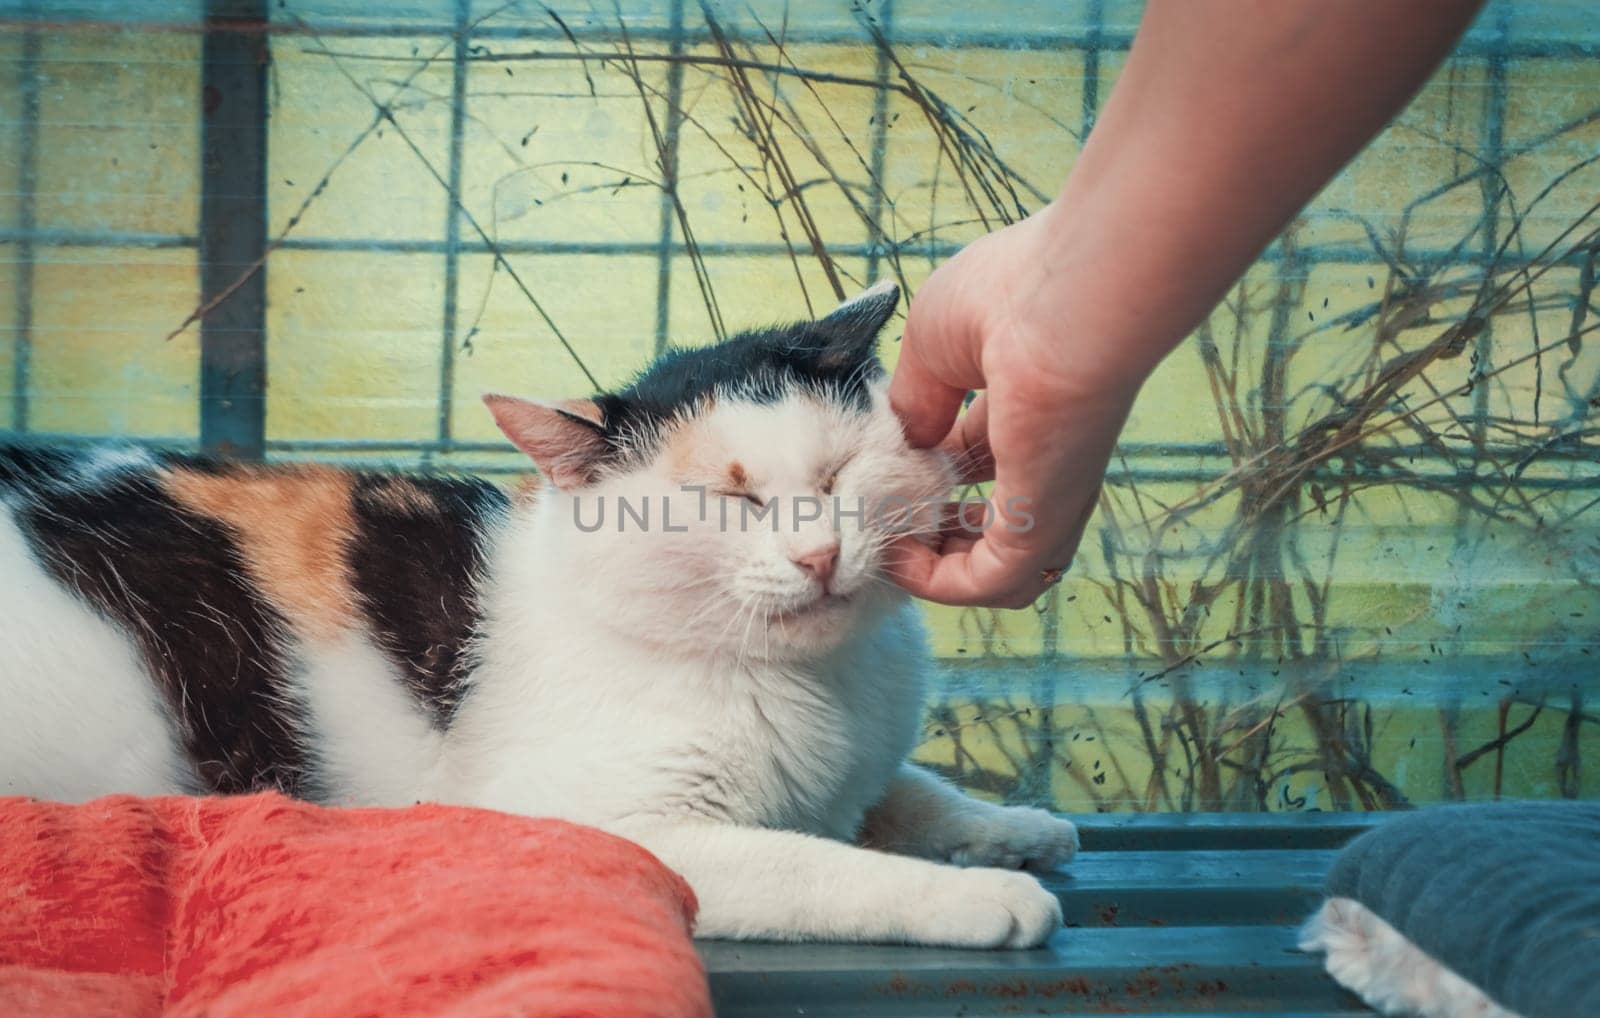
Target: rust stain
{"type": "Point", "coordinates": [1009, 990]}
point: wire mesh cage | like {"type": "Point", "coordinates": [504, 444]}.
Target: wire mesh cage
{"type": "Point", "coordinates": [1345, 556]}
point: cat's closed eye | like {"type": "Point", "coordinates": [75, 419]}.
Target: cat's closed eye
{"type": "Point", "coordinates": [831, 479]}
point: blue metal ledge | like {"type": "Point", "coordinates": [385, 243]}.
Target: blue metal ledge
{"type": "Point", "coordinates": [1166, 915]}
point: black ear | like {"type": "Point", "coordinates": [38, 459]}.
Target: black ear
{"type": "Point", "coordinates": [850, 331]}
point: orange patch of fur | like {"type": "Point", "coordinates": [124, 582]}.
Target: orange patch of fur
{"type": "Point", "coordinates": [526, 492]}
{"type": "Point", "coordinates": [293, 525]}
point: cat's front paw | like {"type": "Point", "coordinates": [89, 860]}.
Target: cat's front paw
{"type": "Point", "coordinates": [1013, 837]}
{"type": "Point", "coordinates": [985, 908]}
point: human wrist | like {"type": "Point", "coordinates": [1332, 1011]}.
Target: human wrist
{"type": "Point", "coordinates": [1077, 292]}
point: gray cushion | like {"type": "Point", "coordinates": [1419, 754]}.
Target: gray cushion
{"type": "Point", "coordinates": [1505, 894]}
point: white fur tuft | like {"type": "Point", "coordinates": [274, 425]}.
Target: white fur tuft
{"type": "Point", "coordinates": [1374, 960]}
{"type": "Point", "coordinates": [877, 289]}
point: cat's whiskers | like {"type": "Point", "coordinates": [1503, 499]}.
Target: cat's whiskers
{"type": "Point", "coordinates": [710, 609]}
{"type": "Point", "coordinates": [965, 458]}
{"type": "Point", "coordinates": [733, 619]}
{"type": "Point", "coordinates": [745, 646]}
{"type": "Point", "coordinates": [747, 609]}
{"type": "Point", "coordinates": [695, 583]}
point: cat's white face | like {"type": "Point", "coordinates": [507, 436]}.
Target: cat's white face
{"type": "Point", "coordinates": [740, 498]}
{"type": "Point", "coordinates": [759, 529]}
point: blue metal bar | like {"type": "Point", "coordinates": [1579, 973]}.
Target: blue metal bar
{"type": "Point", "coordinates": [27, 184]}
{"type": "Point", "coordinates": [1143, 453]}
{"type": "Point", "coordinates": [1041, 37]}
{"type": "Point", "coordinates": [877, 241]}
{"type": "Point", "coordinates": [672, 124]}
{"type": "Point", "coordinates": [47, 237]}
{"type": "Point", "coordinates": [452, 223]}
{"type": "Point", "coordinates": [1149, 970]}
{"type": "Point", "coordinates": [1093, 44]}
{"type": "Point", "coordinates": [233, 229]}
{"type": "Point", "coordinates": [1493, 186]}
{"type": "Point", "coordinates": [1214, 832]}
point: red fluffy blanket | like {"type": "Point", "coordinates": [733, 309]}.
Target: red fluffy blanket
{"type": "Point", "coordinates": [260, 905]}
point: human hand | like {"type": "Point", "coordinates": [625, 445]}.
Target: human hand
{"type": "Point", "coordinates": [1000, 316]}
{"type": "Point", "coordinates": [1061, 317]}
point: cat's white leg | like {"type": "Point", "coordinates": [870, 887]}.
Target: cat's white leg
{"type": "Point", "coordinates": [760, 884]}
{"type": "Point", "coordinates": [922, 815]}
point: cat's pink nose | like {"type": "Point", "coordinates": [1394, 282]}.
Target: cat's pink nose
{"type": "Point", "coordinates": [819, 562]}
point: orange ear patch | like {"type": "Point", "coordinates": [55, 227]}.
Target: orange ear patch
{"type": "Point", "coordinates": [293, 525]}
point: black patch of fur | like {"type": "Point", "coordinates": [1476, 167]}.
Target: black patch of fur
{"type": "Point", "coordinates": [176, 582]}
{"type": "Point", "coordinates": [24, 467]}
{"type": "Point", "coordinates": [833, 357]}
{"type": "Point", "coordinates": [416, 574]}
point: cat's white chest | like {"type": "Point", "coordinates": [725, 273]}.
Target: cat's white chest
{"type": "Point", "coordinates": [805, 753]}
{"type": "Point", "coordinates": [806, 748]}
{"type": "Point", "coordinates": [811, 748]}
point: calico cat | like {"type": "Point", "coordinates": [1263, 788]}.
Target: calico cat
{"type": "Point", "coordinates": [665, 640]}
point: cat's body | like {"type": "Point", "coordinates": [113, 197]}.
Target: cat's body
{"type": "Point", "coordinates": [740, 700]}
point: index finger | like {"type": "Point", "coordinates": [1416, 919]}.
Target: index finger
{"type": "Point", "coordinates": [938, 366]}
{"type": "Point", "coordinates": [926, 404]}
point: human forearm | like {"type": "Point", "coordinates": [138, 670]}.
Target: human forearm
{"type": "Point", "coordinates": [1228, 118]}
